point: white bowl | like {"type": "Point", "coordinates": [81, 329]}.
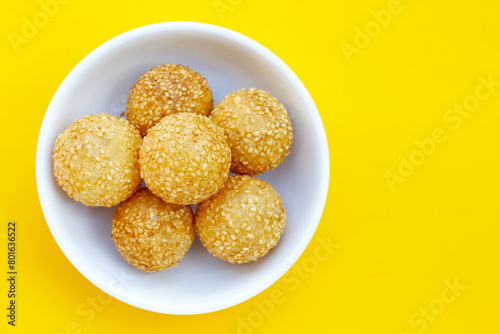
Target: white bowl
{"type": "Point", "coordinates": [100, 83]}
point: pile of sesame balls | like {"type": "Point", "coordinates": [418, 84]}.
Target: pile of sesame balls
{"type": "Point", "coordinates": [183, 148]}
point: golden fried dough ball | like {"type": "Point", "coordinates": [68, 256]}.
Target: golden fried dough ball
{"type": "Point", "coordinates": [96, 160]}
{"type": "Point", "coordinates": [150, 234]}
{"type": "Point", "coordinates": [165, 90]}
{"type": "Point", "coordinates": [243, 221]}
{"type": "Point", "coordinates": [185, 158]}
{"type": "Point", "coordinates": [258, 130]}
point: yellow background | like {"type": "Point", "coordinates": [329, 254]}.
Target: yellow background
{"type": "Point", "coordinates": [396, 248]}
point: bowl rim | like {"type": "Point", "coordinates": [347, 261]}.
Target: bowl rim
{"type": "Point", "coordinates": [235, 37]}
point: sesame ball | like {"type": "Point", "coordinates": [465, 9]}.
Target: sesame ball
{"type": "Point", "coordinates": [258, 130]}
{"type": "Point", "coordinates": [96, 160]}
{"type": "Point", "coordinates": [243, 221]}
{"type": "Point", "coordinates": [150, 234]}
{"type": "Point", "coordinates": [165, 90]}
{"type": "Point", "coordinates": [185, 158]}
